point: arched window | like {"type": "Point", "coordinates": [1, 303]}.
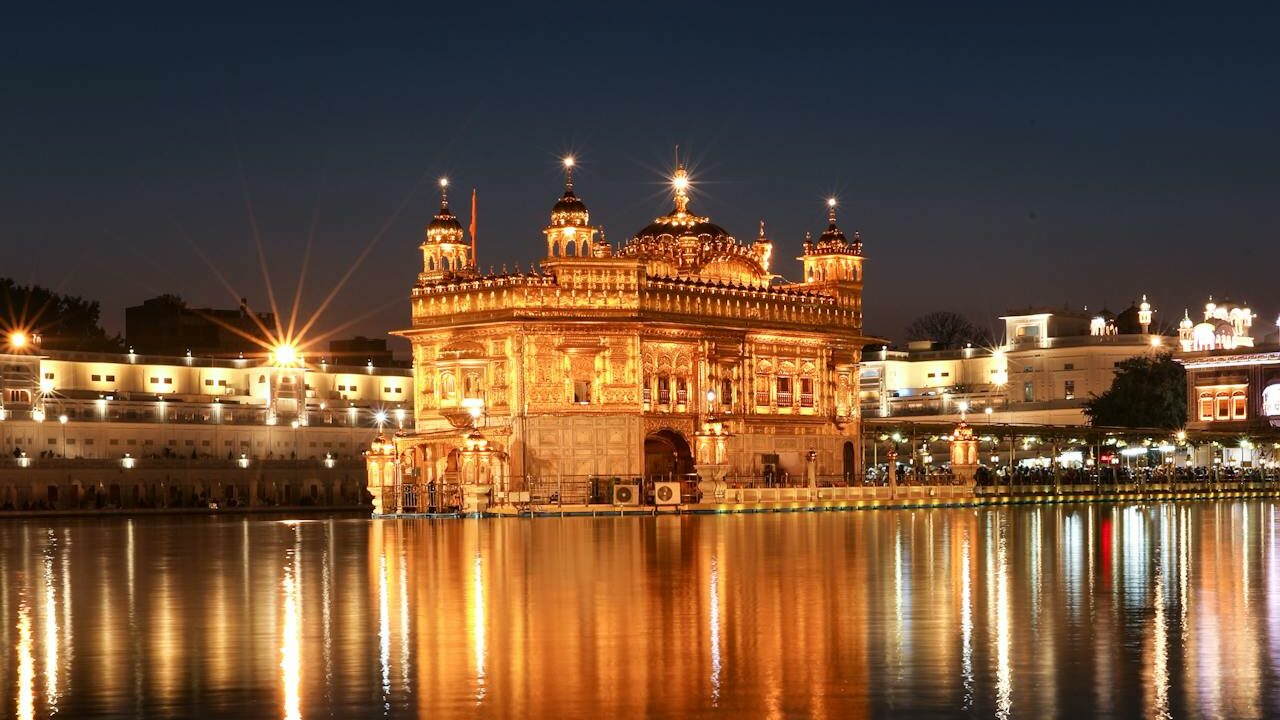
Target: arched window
{"type": "Point", "coordinates": [1239, 405]}
{"type": "Point", "coordinates": [1223, 405]}
{"type": "Point", "coordinates": [1206, 406]}
{"type": "Point", "coordinates": [1271, 400]}
{"type": "Point", "coordinates": [446, 386]}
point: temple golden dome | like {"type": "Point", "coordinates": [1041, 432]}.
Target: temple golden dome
{"type": "Point", "coordinates": [833, 239]}
{"type": "Point", "coordinates": [569, 210]}
{"type": "Point", "coordinates": [444, 226]}
{"type": "Point", "coordinates": [682, 244]}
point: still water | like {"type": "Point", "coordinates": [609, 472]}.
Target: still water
{"type": "Point", "coordinates": [1121, 611]}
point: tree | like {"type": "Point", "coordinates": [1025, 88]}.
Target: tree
{"type": "Point", "coordinates": [947, 329]}
{"type": "Point", "coordinates": [63, 321]}
{"type": "Point", "coordinates": [1147, 392]}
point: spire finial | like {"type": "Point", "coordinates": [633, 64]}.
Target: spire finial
{"type": "Point", "coordinates": [444, 192]}
{"type": "Point", "coordinates": [762, 239]}
{"type": "Point", "coordinates": [568, 173]}
{"type": "Point", "coordinates": [680, 181]}
{"type": "Point", "coordinates": [831, 210]}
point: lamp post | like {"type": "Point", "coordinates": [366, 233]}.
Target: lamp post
{"type": "Point", "coordinates": [62, 420]}
{"type": "Point", "coordinates": [38, 415]}
{"type": "Point", "coordinates": [295, 424]}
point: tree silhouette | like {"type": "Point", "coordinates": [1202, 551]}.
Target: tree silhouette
{"type": "Point", "coordinates": [64, 322]}
{"type": "Point", "coordinates": [1147, 392]}
{"type": "Point", "coordinates": [946, 329]}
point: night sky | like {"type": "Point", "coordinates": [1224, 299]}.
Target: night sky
{"type": "Point", "coordinates": [992, 157]}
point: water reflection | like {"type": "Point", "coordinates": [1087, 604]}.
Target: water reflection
{"type": "Point", "coordinates": [26, 666]}
{"type": "Point", "coordinates": [51, 640]}
{"type": "Point", "coordinates": [713, 619]}
{"type": "Point", "coordinates": [1140, 611]}
{"type": "Point", "coordinates": [290, 640]}
{"type": "Point", "coordinates": [477, 623]}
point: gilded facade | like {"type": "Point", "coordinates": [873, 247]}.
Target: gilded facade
{"type": "Point", "coordinates": [677, 356]}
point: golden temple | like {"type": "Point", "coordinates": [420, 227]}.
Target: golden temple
{"type": "Point", "coordinates": [644, 374]}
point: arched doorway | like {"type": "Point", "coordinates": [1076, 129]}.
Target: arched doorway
{"type": "Point", "coordinates": [667, 456]}
{"type": "Point", "coordinates": [849, 469]}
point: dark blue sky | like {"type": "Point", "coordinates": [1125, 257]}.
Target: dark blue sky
{"type": "Point", "coordinates": [993, 156]}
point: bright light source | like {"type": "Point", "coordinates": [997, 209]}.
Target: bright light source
{"type": "Point", "coordinates": [831, 202]}
{"type": "Point", "coordinates": [444, 182]}
{"type": "Point", "coordinates": [37, 415]}
{"type": "Point", "coordinates": [380, 417]}
{"type": "Point", "coordinates": [46, 386]}
{"type": "Point", "coordinates": [681, 182]}
{"type": "Point", "coordinates": [62, 419]}
{"type": "Point", "coordinates": [568, 161]}
{"type": "Point", "coordinates": [294, 424]}
{"type": "Point", "coordinates": [988, 410]}
{"type": "Point", "coordinates": [1156, 341]}
{"type": "Point", "coordinates": [17, 339]}
{"type": "Point", "coordinates": [285, 354]}
{"type": "Point", "coordinates": [711, 396]}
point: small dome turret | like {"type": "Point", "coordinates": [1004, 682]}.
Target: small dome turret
{"type": "Point", "coordinates": [569, 210]}
{"type": "Point", "coordinates": [444, 226]}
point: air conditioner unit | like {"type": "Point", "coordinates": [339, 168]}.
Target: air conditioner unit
{"type": "Point", "coordinates": [626, 494]}
{"type": "Point", "coordinates": [666, 493]}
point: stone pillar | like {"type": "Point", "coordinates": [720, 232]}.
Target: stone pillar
{"type": "Point", "coordinates": [380, 469]}
{"type": "Point", "coordinates": [711, 459]}
{"type": "Point", "coordinates": [964, 454]}
{"type": "Point", "coordinates": [481, 469]}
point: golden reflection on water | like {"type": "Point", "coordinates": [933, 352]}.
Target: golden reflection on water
{"type": "Point", "coordinates": [1138, 611]}
{"type": "Point", "coordinates": [26, 666]}
{"type": "Point", "coordinates": [290, 641]}
{"type": "Point", "coordinates": [51, 640]}
{"type": "Point", "coordinates": [477, 623]}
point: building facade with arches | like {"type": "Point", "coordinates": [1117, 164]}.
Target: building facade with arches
{"type": "Point", "coordinates": [678, 355]}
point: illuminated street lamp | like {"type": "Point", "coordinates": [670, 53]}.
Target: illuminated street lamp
{"type": "Point", "coordinates": [62, 420]}
{"type": "Point", "coordinates": [285, 355]}
{"type": "Point", "coordinates": [17, 340]}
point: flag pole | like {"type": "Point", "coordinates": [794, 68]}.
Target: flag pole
{"type": "Point", "coordinates": [474, 263]}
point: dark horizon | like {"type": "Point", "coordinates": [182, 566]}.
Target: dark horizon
{"type": "Point", "coordinates": [992, 158]}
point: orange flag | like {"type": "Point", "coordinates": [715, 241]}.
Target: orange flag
{"type": "Point", "coordinates": [473, 228]}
